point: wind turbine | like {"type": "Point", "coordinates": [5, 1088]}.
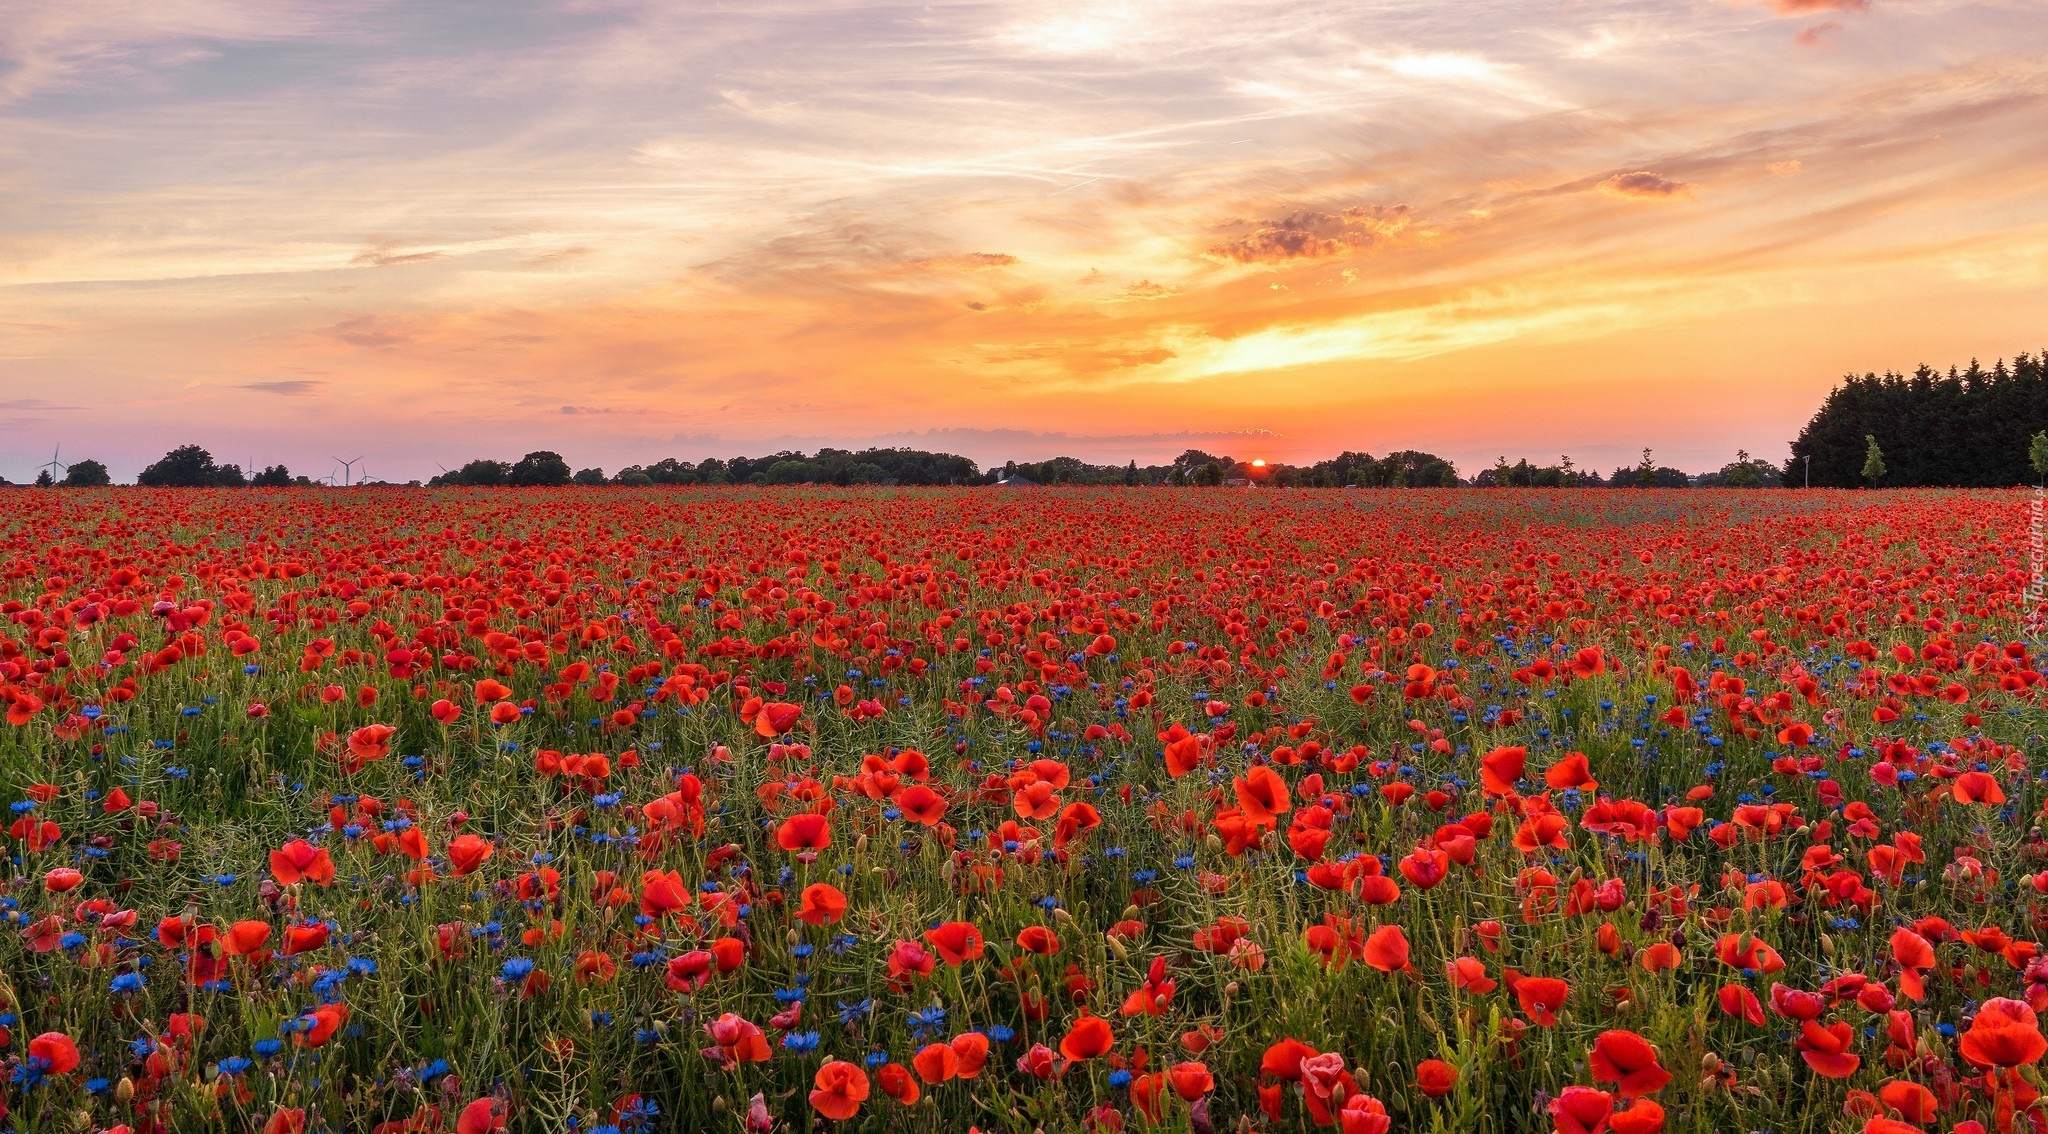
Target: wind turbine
{"type": "Point", "coordinates": [55, 467]}
{"type": "Point", "coordinates": [345, 468]}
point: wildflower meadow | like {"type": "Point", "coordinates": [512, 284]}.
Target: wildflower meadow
{"type": "Point", "coordinates": [603, 810]}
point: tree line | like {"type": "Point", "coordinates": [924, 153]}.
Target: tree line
{"type": "Point", "coordinates": [192, 466]}
{"type": "Point", "coordinates": [1972, 427]}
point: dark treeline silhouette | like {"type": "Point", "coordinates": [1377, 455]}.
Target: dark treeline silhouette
{"type": "Point", "coordinates": [1406, 469]}
{"type": "Point", "coordinates": [191, 466]}
{"type": "Point", "coordinates": [826, 466]}
{"type": "Point", "coordinates": [1968, 427]}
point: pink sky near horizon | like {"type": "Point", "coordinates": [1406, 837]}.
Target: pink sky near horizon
{"type": "Point", "coordinates": [294, 230]}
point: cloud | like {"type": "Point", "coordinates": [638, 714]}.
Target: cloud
{"type": "Point", "coordinates": [1809, 7]}
{"type": "Point", "coordinates": [384, 257]}
{"type": "Point", "coordinates": [576, 411]}
{"type": "Point", "coordinates": [971, 262]}
{"type": "Point", "coordinates": [1309, 235]}
{"type": "Point", "coordinates": [21, 405]}
{"type": "Point", "coordinates": [293, 388]}
{"type": "Point", "coordinates": [1812, 37]}
{"type": "Point", "coordinates": [1146, 289]}
{"type": "Point", "coordinates": [368, 331]}
{"type": "Point", "coordinates": [1645, 185]}
{"type": "Point", "coordinates": [1784, 168]}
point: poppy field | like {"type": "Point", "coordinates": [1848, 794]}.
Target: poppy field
{"type": "Point", "coordinates": [758, 810]}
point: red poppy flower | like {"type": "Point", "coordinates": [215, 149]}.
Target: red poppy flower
{"type": "Point", "coordinates": [1826, 1049]}
{"type": "Point", "coordinates": [1435, 1078]}
{"type": "Point", "coordinates": [2004, 1033]}
{"type": "Point", "coordinates": [821, 904]}
{"type": "Point", "coordinates": [839, 1089]}
{"type": "Point", "coordinates": [1581, 1110]}
{"type": "Point", "coordinates": [298, 861]}
{"type": "Point", "coordinates": [1628, 1061]}
{"type": "Point", "coordinates": [467, 853]}
{"type": "Point", "coordinates": [58, 1054]}
{"type": "Point", "coordinates": [804, 831]}
{"type": "Point", "coordinates": [957, 941]}
{"type": "Point", "coordinates": [1387, 949]}
{"type": "Point", "coordinates": [483, 1116]}
{"type": "Point", "coordinates": [1089, 1037]}
{"type": "Point", "coordinates": [1501, 769]}
{"type": "Point", "coordinates": [1541, 997]}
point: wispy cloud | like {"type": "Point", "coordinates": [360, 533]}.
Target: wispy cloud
{"type": "Point", "coordinates": [290, 388]}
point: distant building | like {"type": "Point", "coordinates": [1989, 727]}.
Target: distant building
{"type": "Point", "coordinates": [1016, 480]}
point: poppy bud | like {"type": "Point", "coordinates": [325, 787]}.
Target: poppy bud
{"type": "Point", "coordinates": [124, 1091]}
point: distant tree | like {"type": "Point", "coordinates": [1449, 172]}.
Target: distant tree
{"type": "Point", "coordinates": [668, 470]}
{"type": "Point", "coordinates": [2037, 454]}
{"type": "Point", "coordinates": [187, 466]}
{"type": "Point", "coordinates": [1741, 474]}
{"type": "Point", "coordinates": [230, 476]}
{"type": "Point", "coordinates": [1209, 475]}
{"type": "Point", "coordinates": [276, 476]}
{"type": "Point", "coordinates": [87, 473]}
{"type": "Point", "coordinates": [1873, 460]}
{"type": "Point", "coordinates": [43, 479]}
{"type": "Point", "coordinates": [479, 473]}
{"type": "Point", "coordinates": [633, 477]}
{"type": "Point", "coordinates": [1131, 473]}
{"type": "Point", "coordinates": [540, 469]}
{"type": "Point", "coordinates": [590, 477]}
{"type": "Point", "coordinates": [1646, 470]}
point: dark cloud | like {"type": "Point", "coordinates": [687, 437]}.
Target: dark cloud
{"type": "Point", "coordinates": [1643, 184]}
{"type": "Point", "coordinates": [294, 388]}
{"type": "Point", "coordinates": [574, 411]}
{"type": "Point", "coordinates": [1308, 234]}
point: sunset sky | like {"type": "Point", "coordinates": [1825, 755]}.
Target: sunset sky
{"type": "Point", "coordinates": [427, 231]}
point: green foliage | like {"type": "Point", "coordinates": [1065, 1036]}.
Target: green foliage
{"type": "Point", "coordinates": [87, 473]}
{"type": "Point", "coordinates": [1873, 460]}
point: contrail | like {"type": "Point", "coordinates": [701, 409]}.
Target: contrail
{"type": "Point", "coordinates": [1090, 181]}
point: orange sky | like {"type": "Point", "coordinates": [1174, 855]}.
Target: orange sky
{"type": "Point", "coordinates": [624, 230]}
